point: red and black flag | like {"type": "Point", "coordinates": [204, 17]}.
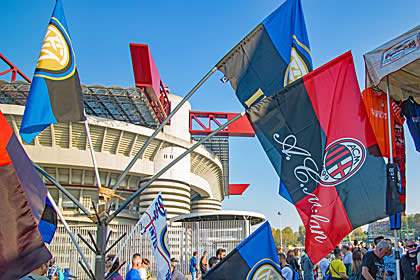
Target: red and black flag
{"type": "Point", "coordinates": [22, 208]}
{"type": "Point", "coordinates": [318, 137]}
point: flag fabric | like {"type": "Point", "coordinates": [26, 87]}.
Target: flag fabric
{"type": "Point", "coordinates": [22, 203]}
{"type": "Point", "coordinates": [153, 221]}
{"type": "Point", "coordinates": [317, 135]}
{"type": "Point", "coordinates": [55, 94]}
{"type": "Point", "coordinates": [255, 258]}
{"type": "Point", "coordinates": [271, 56]}
{"type": "Point", "coordinates": [48, 223]}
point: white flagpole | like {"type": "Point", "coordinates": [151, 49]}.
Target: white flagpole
{"type": "Point", "coordinates": [126, 240]}
{"type": "Point", "coordinates": [66, 226]}
{"type": "Point", "coordinates": [92, 153]}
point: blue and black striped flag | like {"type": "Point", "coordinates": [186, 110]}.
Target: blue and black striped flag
{"type": "Point", "coordinates": [271, 56]}
{"type": "Point", "coordinates": [55, 94]}
{"type": "Point", "coordinates": [255, 258]}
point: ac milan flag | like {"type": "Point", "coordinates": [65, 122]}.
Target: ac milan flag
{"type": "Point", "coordinates": [317, 135]}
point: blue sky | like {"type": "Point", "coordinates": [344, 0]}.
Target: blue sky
{"type": "Point", "coordinates": [187, 38]}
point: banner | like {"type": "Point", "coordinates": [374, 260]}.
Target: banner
{"type": "Point", "coordinates": [153, 221]}
{"type": "Point", "coordinates": [55, 94]}
{"type": "Point", "coordinates": [317, 135]}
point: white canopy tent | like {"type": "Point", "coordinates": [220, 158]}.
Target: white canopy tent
{"type": "Point", "coordinates": [394, 67]}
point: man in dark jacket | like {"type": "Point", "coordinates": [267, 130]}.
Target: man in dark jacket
{"type": "Point", "coordinates": [409, 261]}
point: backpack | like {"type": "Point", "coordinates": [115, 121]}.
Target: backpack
{"type": "Point", "coordinates": [295, 273]}
{"type": "Point", "coordinates": [328, 274]}
{"type": "Point", "coordinates": [149, 276]}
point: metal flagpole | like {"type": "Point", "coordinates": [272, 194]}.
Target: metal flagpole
{"type": "Point", "coordinates": [391, 160]}
{"type": "Point", "coordinates": [61, 188]}
{"type": "Point", "coordinates": [92, 153]}
{"type": "Point", "coordinates": [73, 238]}
{"type": "Point", "coordinates": [169, 165]}
{"type": "Point", "coordinates": [150, 139]}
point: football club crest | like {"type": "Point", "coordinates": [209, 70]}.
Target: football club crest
{"type": "Point", "coordinates": [342, 159]}
{"type": "Point", "coordinates": [56, 60]}
{"type": "Point", "coordinates": [265, 269]}
{"type": "Point", "coordinates": [297, 68]}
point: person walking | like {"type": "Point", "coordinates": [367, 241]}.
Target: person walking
{"type": "Point", "coordinates": [194, 266]}
{"type": "Point", "coordinates": [286, 269]}
{"type": "Point", "coordinates": [144, 271]}
{"type": "Point", "coordinates": [337, 268]}
{"type": "Point", "coordinates": [347, 258]}
{"type": "Point", "coordinates": [133, 273]}
{"type": "Point", "coordinates": [176, 273]}
{"type": "Point", "coordinates": [356, 266]}
{"type": "Point", "coordinates": [324, 264]}
{"type": "Point", "coordinates": [307, 267]}
{"type": "Point", "coordinates": [111, 269]}
{"type": "Point", "coordinates": [373, 266]}
{"type": "Point", "coordinates": [38, 273]}
{"type": "Point", "coordinates": [203, 263]}
{"type": "Point", "coordinates": [409, 261]}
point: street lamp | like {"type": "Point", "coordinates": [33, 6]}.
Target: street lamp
{"type": "Point", "coordinates": [281, 239]}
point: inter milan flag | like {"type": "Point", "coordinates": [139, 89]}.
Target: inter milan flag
{"type": "Point", "coordinates": [22, 204]}
{"type": "Point", "coordinates": [255, 258]}
{"type": "Point", "coordinates": [271, 56]}
{"type": "Point", "coordinates": [55, 94]}
{"type": "Point", "coordinates": [318, 137]}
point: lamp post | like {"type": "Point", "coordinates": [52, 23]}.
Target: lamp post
{"type": "Point", "coordinates": [281, 238]}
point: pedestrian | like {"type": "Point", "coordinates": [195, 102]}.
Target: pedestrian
{"type": "Point", "coordinates": [286, 269]}
{"type": "Point", "coordinates": [409, 261]}
{"type": "Point", "coordinates": [373, 266]}
{"type": "Point", "coordinates": [221, 253]}
{"type": "Point", "coordinates": [111, 269]}
{"type": "Point", "coordinates": [133, 273]}
{"type": "Point", "coordinates": [356, 266]}
{"type": "Point", "coordinates": [176, 273]}
{"type": "Point", "coordinates": [337, 268]}
{"type": "Point", "coordinates": [144, 270]}
{"type": "Point", "coordinates": [194, 266]}
{"type": "Point", "coordinates": [324, 264]}
{"type": "Point", "coordinates": [203, 263]}
{"type": "Point", "coordinates": [291, 259]}
{"type": "Point", "coordinates": [347, 258]}
{"type": "Point", "coordinates": [38, 273]}
{"type": "Point", "coordinates": [54, 271]}
{"type": "Point", "coordinates": [307, 267]}
{"type": "Point", "coordinates": [213, 261]}
{"type": "Point", "coordinates": [390, 262]}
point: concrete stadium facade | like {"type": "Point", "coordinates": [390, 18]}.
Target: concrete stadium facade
{"type": "Point", "coordinates": [193, 185]}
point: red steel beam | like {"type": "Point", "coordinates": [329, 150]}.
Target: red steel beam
{"type": "Point", "coordinates": [241, 127]}
{"type": "Point", "coordinates": [237, 189]}
{"type": "Point", "coordinates": [12, 69]}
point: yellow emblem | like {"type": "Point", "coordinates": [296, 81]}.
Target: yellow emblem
{"type": "Point", "coordinates": [266, 272]}
{"type": "Point", "coordinates": [55, 53]}
{"type": "Point", "coordinates": [297, 68]}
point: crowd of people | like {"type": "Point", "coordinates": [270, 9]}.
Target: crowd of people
{"type": "Point", "coordinates": [355, 261]}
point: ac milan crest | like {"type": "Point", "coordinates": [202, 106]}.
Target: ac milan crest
{"type": "Point", "coordinates": [342, 159]}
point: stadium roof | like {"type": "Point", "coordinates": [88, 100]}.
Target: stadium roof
{"type": "Point", "coordinates": [253, 217]}
{"type": "Point", "coordinates": [116, 103]}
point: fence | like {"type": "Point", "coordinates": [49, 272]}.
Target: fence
{"type": "Point", "coordinates": [184, 239]}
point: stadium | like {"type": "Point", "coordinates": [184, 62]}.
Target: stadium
{"type": "Point", "coordinates": [120, 121]}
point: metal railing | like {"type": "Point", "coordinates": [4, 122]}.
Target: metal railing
{"type": "Point", "coordinates": [184, 239]}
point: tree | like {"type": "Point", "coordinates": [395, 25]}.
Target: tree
{"type": "Point", "coordinates": [288, 236]}
{"type": "Point", "coordinates": [300, 235]}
